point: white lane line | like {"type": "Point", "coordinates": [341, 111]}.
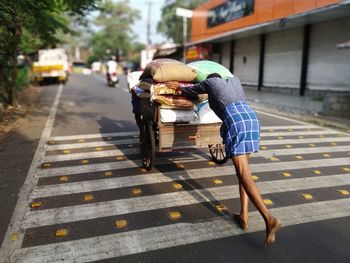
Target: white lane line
{"type": "Point", "coordinates": [145, 203]}
{"type": "Point", "coordinates": [308, 140]}
{"type": "Point", "coordinates": [136, 140]}
{"type": "Point", "coordinates": [8, 245]}
{"type": "Point", "coordinates": [94, 136]}
{"type": "Point", "coordinates": [299, 122]}
{"type": "Point", "coordinates": [298, 133]}
{"type": "Point", "coordinates": [156, 238]}
{"type": "Point", "coordinates": [119, 134]}
{"type": "Point", "coordinates": [262, 153]}
{"type": "Point", "coordinates": [90, 144]}
{"type": "Point", "coordinates": [89, 168]}
{"type": "Point", "coordinates": [88, 155]}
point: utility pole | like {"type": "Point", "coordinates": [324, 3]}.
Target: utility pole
{"type": "Point", "coordinates": [148, 28]}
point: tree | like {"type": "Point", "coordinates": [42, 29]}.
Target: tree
{"type": "Point", "coordinates": [114, 35]}
{"type": "Point", "coordinates": [170, 24]}
{"type": "Point", "coordinates": [29, 25]}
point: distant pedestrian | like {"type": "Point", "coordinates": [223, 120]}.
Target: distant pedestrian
{"type": "Point", "coordinates": [240, 131]}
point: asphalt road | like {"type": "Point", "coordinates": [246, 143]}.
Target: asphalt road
{"type": "Point", "coordinates": [74, 170]}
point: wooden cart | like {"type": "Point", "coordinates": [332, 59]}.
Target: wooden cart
{"type": "Point", "coordinates": [156, 136]}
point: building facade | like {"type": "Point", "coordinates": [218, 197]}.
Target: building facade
{"type": "Point", "coordinates": [286, 46]}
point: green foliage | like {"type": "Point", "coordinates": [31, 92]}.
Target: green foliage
{"type": "Point", "coordinates": [115, 35]}
{"type": "Point", "coordinates": [22, 78]}
{"type": "Point", "coordinates": [170, 24]}
{"type": "Point", "coordinates": [26, 25]}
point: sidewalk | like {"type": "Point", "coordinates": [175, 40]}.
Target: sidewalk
{"type": "Point", "coordinates": [305, 108]}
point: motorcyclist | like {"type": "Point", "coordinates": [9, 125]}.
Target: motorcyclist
{"type": "Point", "coordinates": [111, 71]}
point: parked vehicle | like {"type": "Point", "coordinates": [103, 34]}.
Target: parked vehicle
{"type": "Point", "coordinates": [52, 63]}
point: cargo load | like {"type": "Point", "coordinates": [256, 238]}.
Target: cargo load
{"type": "Point", "coordinates": [162, 70]}
{"type": "Point", "coordinates": [204, 68]}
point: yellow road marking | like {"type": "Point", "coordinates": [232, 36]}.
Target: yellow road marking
{"type": "Point", "coordinates": [263, 147]}
{"type": "Point", "coordinates": [120, 224]}
{"type": "Point", "coordinates": [177, 186]}
{"type": "Point", "coordinates": [286, 174]}
{"type": "Point", "coordinates": [81, 140]}
{"type": "Point", "coordinates": [274, 159]}
{"type": "Point", "coordinates": [174, 215]}
{"type": "Point", "coordinates": [289, 146]}
{"type": "Point", "coordinates": [108, 173]}
{"type": "Point", "coordinates": [63, 179]}
{"type": "Point", "coordinates": [221, 208]}
{"type": "Point", "coordinates": [211, 163]}
{"type": "Point", "coordinates": [84, 161]}
{"type": "Point", "coordinates": [326, 155]}
{"type": "Point", "coordinates": [299, 157]}
{"type": "Point", "coordinates": [88, 197]}
{"type": "Point", "coordinates": [61, 232]}
{"type": "Point", "coordinates": [345, 169]}
{"type": "Point", "coordinates": [136, 191]}
{"type": "Point", "coordinates": [343, 192]}
{"type": "Point", "coordinates": [98, 148]}
{"type": "Point", "coordinates": [46, 165]}
{"type": "Point", "coordinates": [316, 171]}
{"type": "Point", "coordinates": [180, 166]}
{"type": "Point", "coordinates": [267, 202]}
{"type": "Point", "coordinates": [307, 196]}
{"type": "Point", "coordinates": [312, 145]}
{"type": "Point", "coordinates": [36, 204]}
{"type": "Point", "coordinates": [51, 142]}
{"type": "Point", "coordinates": [119, 158]}
{"type": "Point", "coordinates": [217, 181]}
{"type": "Point", "coordinates": [255, 178]}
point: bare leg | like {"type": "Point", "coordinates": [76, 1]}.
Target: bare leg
{"type": "Point", "coordinates": [244, 175]}
{"type": "Point", "coordinates": [242, 217]}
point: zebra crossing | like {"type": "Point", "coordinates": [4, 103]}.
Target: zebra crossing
{"type": "Point", "coordinates": [89, 193]}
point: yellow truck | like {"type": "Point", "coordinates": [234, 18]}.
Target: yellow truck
{"type": "Point", "coordinates": [51, 64]}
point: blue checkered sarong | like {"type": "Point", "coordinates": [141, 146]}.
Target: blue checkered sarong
{"type": "Point", "coordinates": [240, 129]}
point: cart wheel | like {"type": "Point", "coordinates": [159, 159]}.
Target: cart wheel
{"type": "Point", "coordinates": [218, 153]}
{"type": "Point", "coordinates": [148, 145]}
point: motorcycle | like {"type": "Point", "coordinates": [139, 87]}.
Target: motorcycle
{"type": "Point", "coordinates": [112, 79]}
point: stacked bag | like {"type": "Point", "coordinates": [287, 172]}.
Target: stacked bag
{"type": "Point", "coordinates": [176, 108]}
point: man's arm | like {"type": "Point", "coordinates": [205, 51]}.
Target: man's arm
{"type": "Point", "coordinates": [188, 91]}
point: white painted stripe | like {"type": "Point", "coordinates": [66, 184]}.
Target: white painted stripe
{"type": "Point", "coordinates": [145, 179]}
{"type": "Point", "coordinates": [89, 168]}
{"type": "Point", "coordinates": [299, 122]}
{"type": "Point", "coordinates": [297, 133]}
{"type": "Point", "coordinates": [133, 133]}
{"type": "Point", "coordinates": [262, 153]}
{"type": "Point", "coordinates": [90, 144]}
{"type": "Point", "coordinates": [93, 136]}
{"type": "Point", "coordinates": [8, 245]}
{"type": "Point", "coordinates": [308, 140]}
{"type": "Point", "coordinates": [156, 238]}
{"type": "Point", "coordinates": [89, 155]}
{"type": "Point", "coordinates": [145, 203]}
{"type": "Point", "coordinates": [136, 140]}
{"type": "Point", "coordinates": [294, 151]}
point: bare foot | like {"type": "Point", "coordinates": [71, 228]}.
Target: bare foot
{"type": "Point", "coordinates": [271, 231]}
{"type": "Point", "coordinates": [243, 223]}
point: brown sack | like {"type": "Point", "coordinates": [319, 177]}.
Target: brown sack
{"type": "Point", "coordinates": [174, 101]}
{"type": "Point", "coordinates": [162, 70]}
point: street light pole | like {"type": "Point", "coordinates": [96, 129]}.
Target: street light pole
{"type": "Point", "coordinates": [184, 20]}
{"type": "Point", "coordinates": [185, 13]}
